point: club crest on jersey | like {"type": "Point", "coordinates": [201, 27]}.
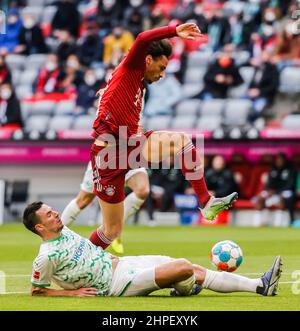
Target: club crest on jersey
{"type": "Point", "coordinates": [36, 275]}
{"type": "Point", "coordinates": [110, 190]}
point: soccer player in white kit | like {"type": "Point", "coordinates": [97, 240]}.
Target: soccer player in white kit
{"type": "Point", "coordinates": [136, 179]}
{"type": "Point", "coordinates": [81, 268]}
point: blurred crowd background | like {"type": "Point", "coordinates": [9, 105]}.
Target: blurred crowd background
{"type": "Point", "coordinates": [241, 77]}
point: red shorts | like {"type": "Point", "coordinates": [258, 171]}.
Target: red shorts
{"type": "Point", "coordinates": [110, 165]}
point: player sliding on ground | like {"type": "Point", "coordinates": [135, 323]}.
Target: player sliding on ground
{"type": "Point", "coordinates": [83, 269]}
{"type": "Point", "coordinates": [119, 117]}
{"type": "Point", "coordinates": [136, 179]}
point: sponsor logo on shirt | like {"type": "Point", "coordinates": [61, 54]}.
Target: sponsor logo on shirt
{"type": "Point", "coordinates": [79, 250]}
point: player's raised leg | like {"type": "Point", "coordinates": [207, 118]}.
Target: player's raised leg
{"type": "Point", "coordinates": [111, 228]}
{"type": "Point", "coordinates": [160, 145]}
{"type": "Point", "coordinates": [138, 181]}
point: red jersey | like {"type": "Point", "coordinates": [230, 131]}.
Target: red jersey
{"type": "Point", "coordinates": [121, 101]}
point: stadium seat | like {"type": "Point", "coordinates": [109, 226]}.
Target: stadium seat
{"type": "Point", "coordinates": [28, 77]}
{"type": "Point", "coordinates": [213, 107]}
{"type": "Point", "coordinates": [58, 123]}
{"type": "Point", "coordinates": [48, 14]}
{"type": "Point", "coordinates": [209, 123]}
{"type": "Point", "coordinates": [247, 73]}
{"type": "Point", "coordinates": [35, 61]}
{"type": "Point", "coordinates": [241, 57]}
{"type": "Point", "coordinates": [194, 76]}
{"type": "Point", "coordinates": [15, 61]}
{"type": "Point", "coordinates": [190, 90]}
{"type": "Point", "coordinates": [233, 7]}
{"type": "Point", "coordinates": [237, 112]}
{"type": "Point", "coordinates": [36, 3]}
{"type": "Point", "coordinates": [159, 122]}
{"type": "Point", "coordinates": [25, 109]}
{"type": "Point", "coordinates": [84, 122]}
{"type": "Point", "coordinates": [64, 108]}
{"type": "Point", "coordinates": [292, 121]}
{"type": "Point", "coordinates": [183, 122]}
{"type": "Point", "coordinates": [42, 108]}
{"type": "Point", "coordinates": [38, 122]}
{"type": "Point", "coordinates": [239, 91]}
{"type": "Point", "coordinates": [188, 107]}
{"type": "Point", "coordinates": [23, 91]}
{"type": "Point", "coordinates": [15, 73]}
{"type": "Point", "coordinates": [199, 59]}
{"type": "Point", "coordinates": [290, 80]}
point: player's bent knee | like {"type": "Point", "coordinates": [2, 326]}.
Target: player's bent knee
{"type": "Point", "coordinates": [142, 192]}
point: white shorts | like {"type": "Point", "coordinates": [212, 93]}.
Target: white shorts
{"type": "Point", "coordinates": [135, 275]}
{"type": "Point", "coordinates": [87, 182]}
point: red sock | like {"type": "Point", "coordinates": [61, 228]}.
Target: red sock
{"type": "Point", "coordinates": [192, 170]}
{"type": "Point", "coordinates": [98, 238]}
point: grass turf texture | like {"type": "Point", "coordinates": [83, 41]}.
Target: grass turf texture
{"type": "Point", "coordinates": [18, 248]}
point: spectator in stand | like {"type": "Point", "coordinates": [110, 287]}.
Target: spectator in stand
{"type": "Point", "coordinates": [116, 45]}
{"type": "Point", "coordinates": [287, 49]}
{"type": "Point", "coordinates": [218, 29]}
{"type": "Point", "coordinates": [264, 85]}
{"type": "Point", "coordinates": [219, 178]}
{"type": "Point", "coordinates": [72, 76]}
{"type": "Point", "coordinates": [66, 45]}
{"type": "Point", "coordinates": [163, 96]}
{"type": "Point", "coordinates": [10, 111]}
{"type": "Point", "coordinates": [5, 75]}
{"type": "Point", "coordinates": [135, 16]}
{"type": "Point", "coordinates": [184, 10]}
{"type": "Point", "coordinates": [220, 76]}
{"type": "Point", "coordinates": [31, 39]}
{"type": "Point", "coordinates": [86, 101]}
{"type": "Point", "coordinates": [48, 77]}
{"type": "Point", "coordinates": [279, 190]}
{"type": "Point", "coordinates": [263, 41]}
{"type": "Point", "coordinates": [109, 15]}
{"type": "Point", "coordinates": [67, 17]}
{"type": "Point", "coordinates": [90, 46]}
{"type": "Point", "coordinates": [157, 18]}
{"type": "Point", "coordinates": [9, 41]}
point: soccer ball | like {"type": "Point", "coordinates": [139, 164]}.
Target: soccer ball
{"type": "Point", "coordinates": [226, 255]}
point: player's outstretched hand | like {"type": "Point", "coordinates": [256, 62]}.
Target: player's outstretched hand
{"type": "Point", "coordinates": [188, 31]}
{"type": "Point", "coordinates": [85, 292]}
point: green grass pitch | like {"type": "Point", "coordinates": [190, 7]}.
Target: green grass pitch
{"type": "Point", "coordinates": [18, 248]}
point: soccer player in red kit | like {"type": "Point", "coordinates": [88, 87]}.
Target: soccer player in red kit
{"type": "Point", "coordinates": [119, 108]}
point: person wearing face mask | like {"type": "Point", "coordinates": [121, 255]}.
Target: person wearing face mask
{"type": "Point", "coordinates": [86, 92]}
{"type": "Point", "coordinates": [135, 16]}
{"type": "Point", "coordinates": [90, 46]}
{"type": "Point", "coordinates": [116, 44]}
{"type": "Point", "coordinates": [66, 45]}
{"type": "Point", "coordinates": [10, 111]}
{"type": "Point", "coordinates": [31, 39]}
{"type": "Point", "coordinates": [220, 76]}
{"type": "Point", "coordinates": [48, 77]}
{"type": "Point", "coordinates": [9, 40]}
{"type": "Point", "coordinates": [109, 15]}
{"type": "Point", "coordinates": [72, 75]}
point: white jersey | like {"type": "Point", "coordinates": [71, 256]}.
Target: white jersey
{"type": "Point", "coordinates": [72, 262]}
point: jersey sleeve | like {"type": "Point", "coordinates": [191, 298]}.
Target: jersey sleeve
{"type": "Point", "coordinates": [138, 52]}
{"type": "Point", "coordinates": [42, 271]}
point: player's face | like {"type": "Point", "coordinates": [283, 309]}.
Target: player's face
{"type": "Point", "coordinates": [155, 68]}
{"type": "Point", "coordinates": [49, 220]}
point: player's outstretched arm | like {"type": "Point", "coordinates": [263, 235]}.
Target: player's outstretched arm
{"type": "Point", "coordinates": [188, 31]}
{"type": "Point", "coordinates": [81, 292]}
